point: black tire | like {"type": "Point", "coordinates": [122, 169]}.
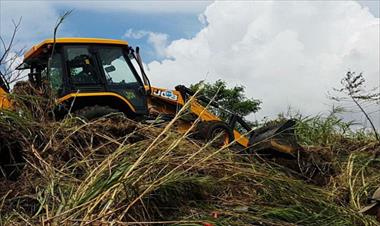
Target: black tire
{"type": "Point", "coordinates": [94, 112]}
{"type": "Point", "coordinates": [211, 129]}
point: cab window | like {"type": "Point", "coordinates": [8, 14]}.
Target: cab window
{"type": "Point", "coordinates": [81, 66]}
{"type": "Point", "coordinates": [115, 66]}
{"type": "Point", "coordinates": [55, 73]}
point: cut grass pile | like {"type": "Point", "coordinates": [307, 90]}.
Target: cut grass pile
{"type": "Point", "coordinates": [116, 171]}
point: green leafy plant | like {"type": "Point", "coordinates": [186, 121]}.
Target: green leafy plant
{"type": "Point", "coordinates": [233, 99]}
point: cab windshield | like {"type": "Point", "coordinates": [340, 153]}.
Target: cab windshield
{"type": "Point", "coordinates": [116, 67]}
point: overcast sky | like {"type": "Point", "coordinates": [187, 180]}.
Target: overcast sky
{"type": "Point", "coordinates": [285, 53]}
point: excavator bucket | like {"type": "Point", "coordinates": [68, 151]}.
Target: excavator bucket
{"type": "Point", "coordinates": [275, 139]}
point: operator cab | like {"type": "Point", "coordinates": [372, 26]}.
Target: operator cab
{"type": "Point", "coordinates": [89, 67]}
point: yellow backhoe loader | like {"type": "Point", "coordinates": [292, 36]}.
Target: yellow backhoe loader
{"type": "Point", "coordinates": [93, 77]}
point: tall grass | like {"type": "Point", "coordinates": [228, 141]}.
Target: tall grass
{"type": "Point", "coordinates": [116, 171]}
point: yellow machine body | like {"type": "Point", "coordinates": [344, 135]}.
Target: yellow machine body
{"type": "Point", "coordinates": [5, 103]}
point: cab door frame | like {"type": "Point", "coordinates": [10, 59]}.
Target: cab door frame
{"type": "Point", "coordinates": [138, 89]}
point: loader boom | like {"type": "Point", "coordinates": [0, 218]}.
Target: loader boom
{"type": "Point", "coordinates": [169, 102]}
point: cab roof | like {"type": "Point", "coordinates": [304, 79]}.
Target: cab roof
{"type": "Point", "coordinates": [38, 48]}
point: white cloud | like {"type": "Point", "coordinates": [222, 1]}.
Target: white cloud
{"type": "Point", "coordinates": [284, 53]}
{"type": "Point", "coordinates": [38, 20]}
{"type": "Point", "coordinates": [135, 34]}
{"type": "Point", "coordinates": [159, 41]}
{"type": "Point", "coordinates": [171, 6]}
{"type": "Point", "coordinates": [12, 75]}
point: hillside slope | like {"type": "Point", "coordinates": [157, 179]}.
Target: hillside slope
{"type": "Point", "coordinates": [116, 171]}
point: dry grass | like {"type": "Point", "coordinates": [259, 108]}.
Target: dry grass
{"type": "Point", "coordinates": [114, 171]}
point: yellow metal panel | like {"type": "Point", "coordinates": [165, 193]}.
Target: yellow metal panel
{"type": "Point", "coordinates": [241, 139]}
{"type": "Point", "coordinates": [72, 95]}
{"type": "Point", "coordinates": [4, 101]}
{"type": "Point", "coordinates": [35, 48]}
{"type": "Point", "coordinates": [203, 113]}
